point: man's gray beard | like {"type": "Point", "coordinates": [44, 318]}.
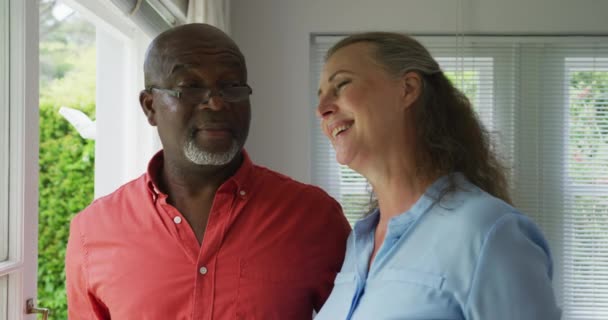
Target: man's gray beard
{"type": "Point", "coordinates": [206, 158]}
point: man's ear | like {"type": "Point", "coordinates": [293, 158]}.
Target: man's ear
{"type": "Point", "coordinates": [412, 88]}
{"type": "Point", "coordinates": [146, 100]}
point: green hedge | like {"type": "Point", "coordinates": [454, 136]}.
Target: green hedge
{"type": "Point", "coordinates": [66, 187]}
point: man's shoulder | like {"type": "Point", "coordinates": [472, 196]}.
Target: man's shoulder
{"type": "Point", "coordinates": [287, 185]}
{"type": "Point", "coordinates": [110, 204]}
{"type": "Point", "coordinates": [309, 208]}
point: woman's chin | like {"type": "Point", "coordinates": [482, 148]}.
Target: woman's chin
{"type": "Point", "coordinates": [343, 159]}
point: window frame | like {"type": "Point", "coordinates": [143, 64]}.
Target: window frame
{"type": "Point", "coordinates": [21, 145]}
{"type": "Point", "coordinates": [4, 127]}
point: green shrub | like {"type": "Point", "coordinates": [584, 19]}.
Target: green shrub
{"type": "Point", "coordinates": [65, 187]}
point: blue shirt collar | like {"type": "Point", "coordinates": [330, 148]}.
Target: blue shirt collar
{"type": "Point", "coordinates": [399, 223]}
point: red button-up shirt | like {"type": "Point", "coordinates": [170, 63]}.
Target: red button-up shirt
{"type": "Point", "coordinates": [271, 250]}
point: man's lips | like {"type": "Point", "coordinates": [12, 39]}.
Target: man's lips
{"type": "Point", "coordinates": [214, 130]}
{"type": "Point", "coordinates": [214, 126]}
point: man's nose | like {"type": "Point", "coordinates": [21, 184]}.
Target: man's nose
{"type": "Point", "coordinates": [215, 101]}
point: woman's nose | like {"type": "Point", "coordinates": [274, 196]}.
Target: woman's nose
{"type": "Point", "coordinates": [326, 107]}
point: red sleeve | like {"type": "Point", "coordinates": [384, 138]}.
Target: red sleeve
{"type": "Point", "coordinates": [82, 304]}
{"type": "Point", "coordinates": [336, 231]}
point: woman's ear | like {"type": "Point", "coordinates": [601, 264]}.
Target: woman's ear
{"type": "Point", "coordinates": [146, 101]}
{"type": "Point", "coordinates": [412, 88]}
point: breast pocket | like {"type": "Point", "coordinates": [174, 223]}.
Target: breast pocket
{"type": "Point", "coordinates": [404, 287]}
{"type": "Point", "coordinates": [408, 294]}
{"type": "Point", "coordinates": [413, 277]}
{"type": "Point", "coordinates": [273, 292]}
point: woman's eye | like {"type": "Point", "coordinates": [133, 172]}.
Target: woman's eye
{"type": "Point", "coordinates": [341, 85]}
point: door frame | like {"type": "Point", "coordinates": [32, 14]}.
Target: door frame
{"type": "Point", "coordinates": [23, 156]}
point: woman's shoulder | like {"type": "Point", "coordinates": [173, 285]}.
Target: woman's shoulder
{"type": "Point", "coordinates": [468, 217]}
{"type": "Point", "coordinates": [461, 229]}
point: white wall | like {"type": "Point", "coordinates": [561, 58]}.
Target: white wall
{"type": "Point", "coordinates": [274, 36]}
{"type": "Point", "coordinates": [125, 141]}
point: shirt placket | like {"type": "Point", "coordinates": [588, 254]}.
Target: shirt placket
{"type": "Point", "coordinates": [220, 218]}
{"type": "Point", "coordinates": [364, 243]}
{"type": "Point", "coordinates": [180, 229]}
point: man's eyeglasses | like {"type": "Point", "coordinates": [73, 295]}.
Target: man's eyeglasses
{"type": "Point", "coordinates": [203, 95]}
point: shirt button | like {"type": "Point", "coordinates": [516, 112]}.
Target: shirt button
{"type": "Point", "coordinates": [242, 193]}
{"type": "Point", "coordinates": [177, 220]}
{"type": "Point", "coordinates": [203, 270]}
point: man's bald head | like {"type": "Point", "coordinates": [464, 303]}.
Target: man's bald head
{"type": "Point", "coordinates": [184, 40]}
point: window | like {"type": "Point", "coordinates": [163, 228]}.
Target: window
{"type": "Point", "coordinates": [19, 29]}
{"type": "Point", "coordinates": [545, 102]}
{"type": "Point", "coordinates": [91, 57]}
{"type": "Point", "coordinates": [586, 177]}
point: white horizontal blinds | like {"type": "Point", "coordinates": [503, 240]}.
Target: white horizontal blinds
{"type": "Point", "coordinates": [585, 229]}
{"type": "Point", "coordinates": [561, 157]}
{"type": "Point", "coordinates": [483, 70]}
{"type": "Point", "coordinates": [539, 137]}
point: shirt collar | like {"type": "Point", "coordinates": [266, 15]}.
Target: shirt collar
{"type": "Point", "coordinates": [153, 173]}
{"type": "Point", "coordinates": [242, 178]}
{"type": "Point", "coordinates": [426, 201]}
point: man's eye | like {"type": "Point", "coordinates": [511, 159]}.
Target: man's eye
{"type": "Point", "coordinates": [233, 84]}
{"type": "Point", "coordinates": [190, 85]}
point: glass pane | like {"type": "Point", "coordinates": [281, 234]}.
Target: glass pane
{"type": "Point", "coordinates": [588, 125]}
{"type": "Point", "coordinates": [67, 79]}
{"type": "Point", "coordinates": [474, 76]}
{"type": "Point", "coordinates": [587, 188]}
{"type": "Point", "coordinates": [3, 297]}
{"type": "Point", "coordinates": [4, 187]}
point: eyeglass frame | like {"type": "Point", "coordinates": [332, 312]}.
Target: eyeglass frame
{"type": "Point", "coordinates": [178, 94]}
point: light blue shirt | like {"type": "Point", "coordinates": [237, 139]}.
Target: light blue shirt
{"type": "Point", "coordinates": [470, 256]}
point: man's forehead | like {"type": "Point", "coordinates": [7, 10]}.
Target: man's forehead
{"type": "Point", "coordinates": [193, 47]}
{"type": "Point", "coordinates": [185, 62]}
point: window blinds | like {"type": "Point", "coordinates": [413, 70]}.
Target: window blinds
{"type": "Point", "coordinates": [545, 102]}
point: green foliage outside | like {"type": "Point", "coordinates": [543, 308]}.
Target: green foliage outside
{"type": "Point", "coordinates": [588, 127]}
{"type": "Point", "coordinates": [66, 176]}
{"type": "Point", "coordinates": [588, 166]}
{"type": "Point", "coordinates": [467, 81]}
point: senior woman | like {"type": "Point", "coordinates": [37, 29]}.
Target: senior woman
{"type": "Point", "coordinates": [443, 240]}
